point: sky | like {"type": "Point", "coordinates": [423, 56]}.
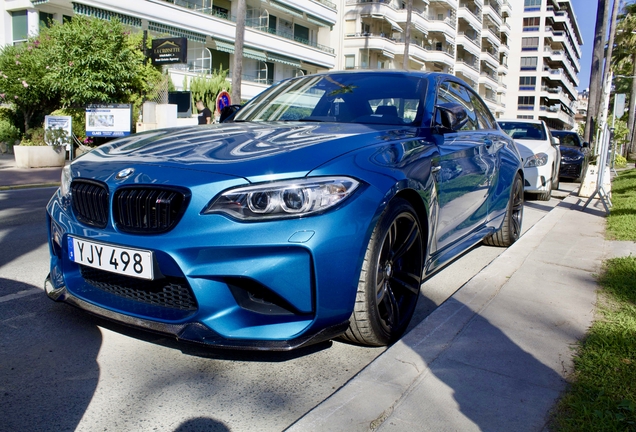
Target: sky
{"type": "Point", "coordinates": [585, 11]}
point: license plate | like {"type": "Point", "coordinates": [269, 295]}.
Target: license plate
{"type": "Point", "coordinates": [115, 259]}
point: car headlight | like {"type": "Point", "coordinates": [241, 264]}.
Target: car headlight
{"type": "Point", "coordinates": [300, 197]}
{"type": "Point", "coordinates": [536, 160]}
{"type": "Point", "coordinates": [65, 181]}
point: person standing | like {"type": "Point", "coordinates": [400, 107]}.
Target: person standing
{"type": "Point", "coordinates": [205, 115]}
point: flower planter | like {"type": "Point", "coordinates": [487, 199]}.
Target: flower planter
{"type": "Point", "coordinates": [39, 156]}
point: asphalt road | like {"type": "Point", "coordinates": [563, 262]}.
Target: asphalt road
{"type": "Point", "coordinates": [61, 369]}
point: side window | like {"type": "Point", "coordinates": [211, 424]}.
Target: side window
{"type": "Point", "coordinates": [484, 116]}
{"type": "Point", "coordinates": [456, 93]}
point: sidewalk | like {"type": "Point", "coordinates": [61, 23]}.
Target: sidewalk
{"type": "Point", "coordinates": [497, 354]}
{"type": "Point", "coordinates": [12, 177]}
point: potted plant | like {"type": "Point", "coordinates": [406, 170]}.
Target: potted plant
{"type": "Point", "coordinates": [34, 152]}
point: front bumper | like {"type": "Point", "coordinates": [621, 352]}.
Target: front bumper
{"type": "Point", "coordinates": [194, 331]}
{"type": "Point", "coordinates": [275, 285]}
{"type": "Point", "coordinates": [537, 179]}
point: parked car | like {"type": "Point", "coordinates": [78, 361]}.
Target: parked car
{"type": "Point", "coordinates": [540, 153]}
{"type": "Point", "coordinates": [574, 155]}
{"type": "Point", "coordinates": [316, 211]}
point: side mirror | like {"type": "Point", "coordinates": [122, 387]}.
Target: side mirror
{"type": "Point", "coordinates": [586, 144]}
{"type": "Point", "coordinates": [556, 141]}
{"type": "Point", "coordinates": [228, 112]}
{"type": "Point", "coordinates": [452, 116]}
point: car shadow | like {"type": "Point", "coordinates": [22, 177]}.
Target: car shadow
{"type": "Point", "coordinates": [48, 367]}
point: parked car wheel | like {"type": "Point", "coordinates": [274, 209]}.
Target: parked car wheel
{"type": "Point", "coordinates": [390, 278]}
{"type": "Point", "coordinates": [555, 179]}
{"type": "Point", "coordinates": [545, 196]}
{"type": "Point", "coordinates": [510, 230]}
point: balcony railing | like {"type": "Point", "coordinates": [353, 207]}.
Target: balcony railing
{"type": "Point", "coordinates": [200, 6]}
{"type": "Point", "coordinates": [476, 14]}
{"type": "Point", "coordinates": [450, 21]}
{"type": "Point", "coordinates": [470, 63]}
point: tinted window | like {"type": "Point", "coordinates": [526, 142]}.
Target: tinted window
{"type": "Point", "coordinates": [568, 138]}
{"type": "Point", "coordinates": [375, 98]}
{"type": "Point", "coordinates": [452, 92]}
{"type": "Point", "coordinates": [522, 130]}
{"type": "Point", "coordinates": [484, 116]}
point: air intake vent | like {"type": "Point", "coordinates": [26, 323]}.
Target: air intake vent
{"type": "Point", "coordinates": [90, 202]}
{"type": "Point", "coordinates": [170, 292]}
{"type": "Point", "coordinates": [148, 210]}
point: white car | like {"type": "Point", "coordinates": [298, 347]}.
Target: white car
{"type": "Point", "coordinates": [540, 153]}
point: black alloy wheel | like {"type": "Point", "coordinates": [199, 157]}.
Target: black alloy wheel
{"type": "Point", "coordinates": [390, 278]}
{"type": "Point", "coordinates": [510, 230]}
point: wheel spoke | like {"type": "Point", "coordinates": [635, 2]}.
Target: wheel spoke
{"type": "Point", "coordinates": [411, 238]}
{"type": "Point", "coordinates": [408, 281]}
{"type": "Point", "coordinates": [392, 310]}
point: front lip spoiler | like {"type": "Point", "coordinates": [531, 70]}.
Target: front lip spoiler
{"type": "Point", "coordinates": [194, 332]}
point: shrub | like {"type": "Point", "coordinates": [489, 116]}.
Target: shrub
{"type": "Point", "coordinates": [620, 162]}
{"type": "Point", "coordinates": [8, 132]}
{"type": "Point", "coordinates": [34, 137]}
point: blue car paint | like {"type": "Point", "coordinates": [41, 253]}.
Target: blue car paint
{"type": "Point", "coordinates": [314, 262]}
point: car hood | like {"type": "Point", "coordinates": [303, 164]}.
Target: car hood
{"type": "Point", "coordinates": [254, 151]}
{"type": "Point", "coordinates": [528, 148]}
{"type": "Point", "coordinates": [572, 152]}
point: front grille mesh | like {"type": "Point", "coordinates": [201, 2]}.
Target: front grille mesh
{"type": "Point", "coordinates": [90, 202]}
{"type": "Point", "coordinates": [147, 209]}
{"type": "Point", "coordinates": [169, 292]}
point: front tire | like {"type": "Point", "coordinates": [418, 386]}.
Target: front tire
{"type": "Point", "coordinates": [390, 278]}
{"type": "Point", "coordinates": [510, 230]}
{"type": "Point", "coordinates": [545, 196]}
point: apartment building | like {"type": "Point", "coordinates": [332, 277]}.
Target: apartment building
{"type": "Point", "coordinates": [543, 78]}
{"type": "Point", "coordinates": [472, 39]}
{"type": "Point", "coordinates": [282, 38]}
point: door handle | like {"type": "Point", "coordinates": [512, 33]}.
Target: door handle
{"type": "Point", "coordinates": [435, 169]}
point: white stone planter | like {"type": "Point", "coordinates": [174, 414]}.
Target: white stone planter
{"type": "Point", "coordinates": [39, 156]}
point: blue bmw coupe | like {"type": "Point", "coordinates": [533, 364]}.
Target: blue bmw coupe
{"type": "Point", "coordinates": [315, 211]}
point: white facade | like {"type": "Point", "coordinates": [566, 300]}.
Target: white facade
{"type": "Point", "coordinates": [472, 39]}
{"type": "Point", "coordinates": [282, 38]}
{"type": "Point", "coordinates": [543, 78]}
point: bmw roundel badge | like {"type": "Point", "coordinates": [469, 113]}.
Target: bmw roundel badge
{"type": "Point", "coordinates": [127, 172]}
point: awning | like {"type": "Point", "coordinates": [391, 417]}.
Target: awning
{"type": "Point", "coordinates": [176, 32]}
{"type": "Point", "coordinates": [82, 9]}
{"type": "Point", "coordinates": [290, 10]}
{"type": "Point", "coordinates": [319, 21]}
{"type": "Point", "coordinates": [419, 28]}
{"type": "Point", "coordinates": [388, 54]}
{"type": "Point", "coordinates": [283, 60]}
{"type": "Point", "coordinates": [395, 26]}
{"type": "Point", "coordinates": [254, 54]}
{"type": "Point", "coordinates": [224, 46]}
{"type": "Point", "coordinates": [249, 53]}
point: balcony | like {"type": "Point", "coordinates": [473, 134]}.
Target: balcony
{"type": "Point", "coordinates": [445, 22]}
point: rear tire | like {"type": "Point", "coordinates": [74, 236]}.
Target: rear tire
{"type": "Point", "coordinates": [510, 230]}
{"type": "Point", "coordinates": [390, 278]}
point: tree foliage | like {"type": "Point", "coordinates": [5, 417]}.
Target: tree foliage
{"type": "Point", "coordinates": [92, 61]}
{"type": "Point", "coordinates": [69, 65]}
{"type": "Point", "coordinates": [22, 80]}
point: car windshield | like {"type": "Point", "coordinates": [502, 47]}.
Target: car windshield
{"type": "Point", "coordinates": [522, 130]}
{"type": "Point", "coordinates": [377, 98]}
{"type": "Point", "coordinates": [568, 138]}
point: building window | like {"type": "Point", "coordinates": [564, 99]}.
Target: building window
{"type": "Point", "coordinates": [528, 63]}
{"type": "Point", "coordinates": [66, 18]}
{"type": "Point", "coordinates": [529, 44]}
{"type": "Point", "coordinates": [525, 103]}
{"type": "Point", "coordinates": [532, 5]}
{"type": "Point", "coordinates": [20, 26]}
{"type": "Point", "coordinates": [531, 24]}
{"type": "Point", "coordinates": [525, 117]}
{"type": "Point", "coordinates": [527, 83]}
{"type": "Point", "coordinates": [46, 19]}
{"type": "Point", "coordinates": [350, 62]}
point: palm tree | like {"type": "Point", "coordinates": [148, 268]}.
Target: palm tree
{"type": "Point", "coordinates": [596, 77]}
{"type": "Point", "coordinates": [407, 35]}
{"type": "Point", "coordinates": [624, 66]}
{"type": "Point", "coordinates": [237, 69]}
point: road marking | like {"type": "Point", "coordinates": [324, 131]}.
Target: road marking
{"type": "Point", "coordinates": [20, 294]}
